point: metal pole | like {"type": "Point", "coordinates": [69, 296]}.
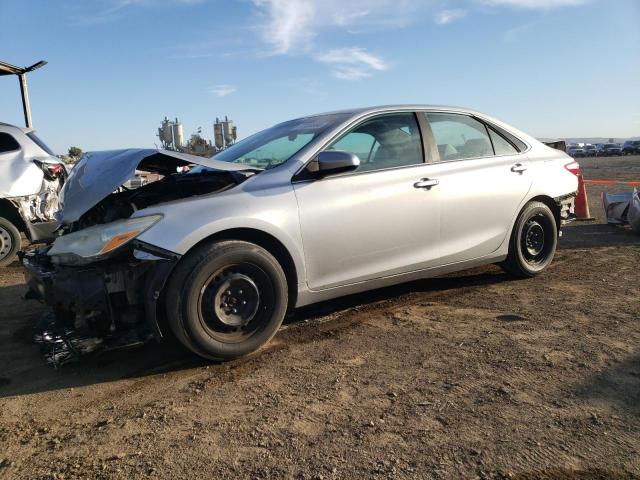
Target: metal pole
{"type": "Point", "coordinates": [25, 99]}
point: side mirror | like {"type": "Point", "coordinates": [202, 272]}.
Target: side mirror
{"type": "Point", "coordinates": [331, 162]}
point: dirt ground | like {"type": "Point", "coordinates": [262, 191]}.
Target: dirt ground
{"type": "Point", "coordinates": [470, 376]}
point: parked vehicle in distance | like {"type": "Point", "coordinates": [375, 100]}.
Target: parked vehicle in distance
{"type": "Point", "coordinates": [609, 150]}
{"type": "Point", "coordinates": [590, 150]}
{"type": "Point", "coordinates": [30, 179]}
{"type": "Point", "coordinates": [343, 202]}
{"type": "Point", "coordinates": [575, 150]}
{"type": "Point", "coordinates": [631, 147]}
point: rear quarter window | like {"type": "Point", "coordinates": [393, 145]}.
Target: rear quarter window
{"type": "Point", "coordinates": [8, 143]}
{"type": "Point", "coordinates": [500, 144]}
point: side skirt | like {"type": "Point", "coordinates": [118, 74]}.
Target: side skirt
{"type": "Point", "coordinates": [307, 297]}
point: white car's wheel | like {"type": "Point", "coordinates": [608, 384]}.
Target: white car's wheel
{"type": "Point", "coordinates": [9, 242]}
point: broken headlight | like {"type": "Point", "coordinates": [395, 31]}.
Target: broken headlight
{"type": "Point", "coordinates": [89, 244]}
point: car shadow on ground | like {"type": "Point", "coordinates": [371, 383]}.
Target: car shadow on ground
{"type": "Point", "coordinates": [25, 371]}
{"type": "Point", "coordinates": [618, 385]}
{"type": "Point", "coordinates": [579, 235]}
{"type": "Point", "coordinates": [572, 474]}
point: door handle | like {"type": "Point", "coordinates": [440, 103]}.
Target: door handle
{"type": "Point", "coordinates": [426, 183]}
{"type": "Point", "coordinates": [519, 168]}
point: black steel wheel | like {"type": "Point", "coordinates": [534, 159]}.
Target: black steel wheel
{"type": "Point", "coordinates": [10, 242]}
{"type": "Point", "coordinates": [226, 299]}
{"type": "Point", "coordinates": [533, 241]}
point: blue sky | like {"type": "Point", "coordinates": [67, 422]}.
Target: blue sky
{"type": "Point", "coordinates": [553, 68]}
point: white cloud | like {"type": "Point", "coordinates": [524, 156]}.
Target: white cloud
{"type": "Point", "coordinates": [288, 23]}
{"type": "Point", "coordinates": [291, 25]}
{"type": "Point", "coordinates": [109, 10]}
{"type": "Point", "coordinates": [295, 27]}
{"type": "Point", "coordinates": [222, 90]}
{"type": "Point", "coordinates": [351, 63]}
{"type": "Point", "coordinates": [535, 4]}
{"type": "Point", "coordinates": [444, 17]}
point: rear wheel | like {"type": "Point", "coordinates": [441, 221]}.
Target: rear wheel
{"type": "Point", "coordinates": [226, 299]}
{"type": "Point", "coordinates": [10, 242]}
{"type": "Point", "coordinates": [533, 241]}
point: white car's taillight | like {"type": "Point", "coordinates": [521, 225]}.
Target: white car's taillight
{"type": "Point", "coordinates": [51, 170]}
{"type": "Point", "coordinates": [573, 167]}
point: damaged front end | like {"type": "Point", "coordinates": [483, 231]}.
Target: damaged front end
{"type": "Point", "coordinates": [103, 285]}
{"type": "Point", "coordinates": [105, 305]}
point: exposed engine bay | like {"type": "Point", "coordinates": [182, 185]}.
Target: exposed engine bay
{"type": "Point", "coordinates": [124, 202]}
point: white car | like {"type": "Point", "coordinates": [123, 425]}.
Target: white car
{"type": "Point", "coordinates": [31, 178]}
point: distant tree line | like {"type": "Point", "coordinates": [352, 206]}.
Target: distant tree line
{"type": "Point", "coordinates": [72, 156]}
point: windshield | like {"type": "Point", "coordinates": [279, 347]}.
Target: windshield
{"type": "Point", "coordinates": [274, 146]}
{"type": "Point", "coordinates": [40, 143]}
{"type": "Point", "coordinates": [590, 147]}
{"type": "Point", "coordinates": [611, 145]}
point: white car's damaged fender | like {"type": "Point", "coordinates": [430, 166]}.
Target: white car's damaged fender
{"type": "Point", "coordinates": [30, 181]}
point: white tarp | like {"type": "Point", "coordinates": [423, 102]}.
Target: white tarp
{"type": "Point", "coordinates": [634, 212]}
{"type": "Point", "coordinates": [622, 208]}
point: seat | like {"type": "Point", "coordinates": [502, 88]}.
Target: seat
{"type": "Point", "coordinates": [448, 152]}
{"type": "Point", "coordinates": [477, 147]}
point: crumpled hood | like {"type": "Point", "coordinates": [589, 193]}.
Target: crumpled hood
{"type": "Point", "coordinates": [98, 174]}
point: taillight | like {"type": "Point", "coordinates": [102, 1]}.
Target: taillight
{"type": "Point", "coordinates": [55, 169]}
{"type": "Point", "coordinates": [51, 170]}
{"type": "Point", "coordinates": [573, 167]}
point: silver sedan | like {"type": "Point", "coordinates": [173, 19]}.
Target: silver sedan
{"type": "Point", "coordinates": [305, 211]}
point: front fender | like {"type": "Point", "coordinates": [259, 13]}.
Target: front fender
{"type": "Point", "coordinates": [186, 223]}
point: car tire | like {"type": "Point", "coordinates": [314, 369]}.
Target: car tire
{"type": "Point", "coordinates": [533, 241]}
{"type": "Point", "coordinates": [10, 242]}
{"type": "Point", "coordinates": [226, 299]}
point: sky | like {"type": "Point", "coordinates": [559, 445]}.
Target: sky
{"type": "Point", "coordinates": [553, 68]}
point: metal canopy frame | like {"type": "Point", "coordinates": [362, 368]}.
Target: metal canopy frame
{"type": "Point", "coordinates": [21, 72]}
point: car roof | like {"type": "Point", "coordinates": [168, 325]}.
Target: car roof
{"type": "Point", "coordinates": [22, 129]}
{"type": "Point", "coordinates": [391, 108]}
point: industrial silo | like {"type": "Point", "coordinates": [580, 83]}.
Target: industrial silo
{"type": "Point", "coordinates": [178, 134]}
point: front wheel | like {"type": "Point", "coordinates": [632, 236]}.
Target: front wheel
{"type": "Point", "coordinates": [10, 242]}
{"type": "Point", "coordinates": [533, 241]}
{"type": "Point", "coordinates": [226, 299]}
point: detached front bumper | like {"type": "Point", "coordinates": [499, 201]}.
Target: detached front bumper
{"type": "Point", "coordinates": [566, 208]}
{"type": "Point", "coordinates": [110, 302]}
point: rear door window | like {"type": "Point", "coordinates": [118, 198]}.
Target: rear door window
{"type": "Point", "coordinates": [459, 137]}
